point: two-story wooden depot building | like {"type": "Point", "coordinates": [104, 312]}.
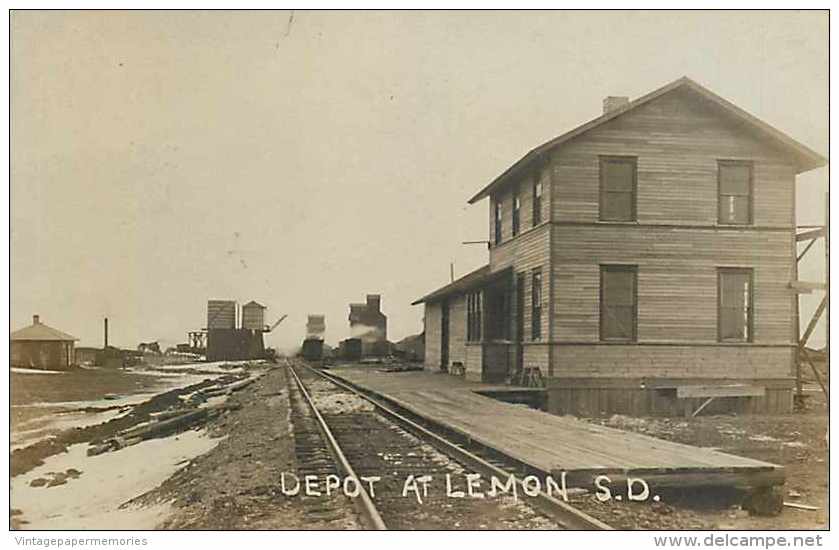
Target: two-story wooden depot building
{"type": "Point", "coordinates": [641, 261]}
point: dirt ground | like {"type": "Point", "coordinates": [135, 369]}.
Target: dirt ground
{"type": "Point", "coordinates": [795, 441]}
{"type": "Point", "coordinates": [237, 484]}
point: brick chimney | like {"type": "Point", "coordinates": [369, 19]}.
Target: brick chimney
{"type": "Point", "coordinates": [36, 319]}
{"type": "Point", "coordinates": [614, 102]}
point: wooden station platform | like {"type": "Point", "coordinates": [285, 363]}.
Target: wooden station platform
{"type": "Point", "coordinates": [552, 444]}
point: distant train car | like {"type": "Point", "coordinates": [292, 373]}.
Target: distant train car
{"type": "Point", "coordinates": [312, 349]}
{"type": "Point", "coordinates": [350, 349]}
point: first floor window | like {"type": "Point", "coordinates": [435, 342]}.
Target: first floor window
{"type": "Point", "coordinates": [536, 305]}
{"type": "Point", "coordinates": [735, 304]}
{"type": "Point", "coordinates": [473, 316]}
{"type": "Point", "coordinates": [618, 302]}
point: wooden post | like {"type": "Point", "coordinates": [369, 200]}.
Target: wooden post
{"type": "Point", "coordinates": [826, 292]}
{"type": "Point", "coordinates": [799, 387]}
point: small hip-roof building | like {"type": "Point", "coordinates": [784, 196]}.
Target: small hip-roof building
{"type": "Point", "coordinates": [39, 346]}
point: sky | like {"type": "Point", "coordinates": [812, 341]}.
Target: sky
{"type": "Point", "coordinates": [305, 159]}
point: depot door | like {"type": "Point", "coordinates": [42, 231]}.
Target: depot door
{"type": "Point", "coordinates": [519, 365]}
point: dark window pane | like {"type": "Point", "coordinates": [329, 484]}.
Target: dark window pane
{"type": "Point", "coordinates": [618, 288]}
{"type": "Point", "coordinates": [735, 289]}
{"type": "Point", "coordinates": [734, 209]}
{"type": "Point", "coordinates": [498, 223]}
{"type": "Point", "coordinates": [618, 322]}
{"type": "Point", "coordinates": [536, 325]}
{"type": "Point", "coordinates": [516, 210]}
{"type": "Point", "coordinates": [618, 175]}
{"type": "Point", "coordinates": [536, 305]}
{"type": "Point", "coordinates": [741, 210]}
{"type": "Point", "coordinates": [735, 179]}
{"type": "Point", "coordinates": [616, 206]}
{"type": "Point", "coordinates": [732, 324]}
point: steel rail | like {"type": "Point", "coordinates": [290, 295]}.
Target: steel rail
{"type": "Point", "coordinates": [561, 512]}
{"type": "Point", "coordinates": [363, 502]}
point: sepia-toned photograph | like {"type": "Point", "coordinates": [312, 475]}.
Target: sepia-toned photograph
{"type": "Point", "coordinates": [409, 270]}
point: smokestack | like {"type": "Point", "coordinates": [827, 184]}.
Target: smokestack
{"type": "Point", "coordinates": [106, 332]}
{"type": "Point", "coordinates": [614, 102]}
{"type": "Point", "coordinates": [36, 319]}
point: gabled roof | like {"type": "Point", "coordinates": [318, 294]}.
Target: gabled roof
{"type": "Point", "coordinates": [254, 303]}
{"type": "Point", "coordinates": [41, 332]}
{"type": "Point", "coordinates": [806, 157]}
{"type": "Point", "coordinates": [468, 281]}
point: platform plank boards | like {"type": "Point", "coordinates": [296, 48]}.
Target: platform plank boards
{"type": "Point", "coordinates": [552, 443]}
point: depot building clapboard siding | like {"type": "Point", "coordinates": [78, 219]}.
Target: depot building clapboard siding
{"type": "Point", "coordinates": [688, 225]}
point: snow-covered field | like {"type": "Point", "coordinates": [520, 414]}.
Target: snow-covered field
{"type": "Point", "coordinates": [74, 491]}
{"type": "Point", "coordinates": [93, 499]}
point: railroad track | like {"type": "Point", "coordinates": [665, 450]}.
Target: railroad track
{"type": "Point", "coordinates": [316, 457]}
{"type": "Point", "coordinates": [342, 432]}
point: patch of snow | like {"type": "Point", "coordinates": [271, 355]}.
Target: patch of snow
{"type": "Point", "coordinates": [214, 401]}
{"type": "Point", "coordinates": [762, 438]}
{"type": "Point", "coordinates": [92, 501]}
{"type": "Point", "coordinates": [213, 367]}
{"type": "Point", "coordinates": [156, 373]}
{"type": "Point", "coordinates": [21, 370]}
{"type": "Point", "coordinates": [731, 431]}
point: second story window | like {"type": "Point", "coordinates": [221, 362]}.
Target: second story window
{"type": "Point", "coordinates": [536, 304]}
{"type": "Point", "coordinates": [516, 214]}
{"type": "Point", "coordinates": [537, 202]}
{"type": "Point", "coordinates": [735, 192]}
{"type": "Point", "coordinates": [498, 222]}
{"type": "Point", "coordinates": [618, 188]}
